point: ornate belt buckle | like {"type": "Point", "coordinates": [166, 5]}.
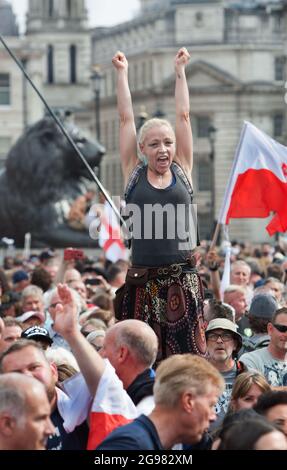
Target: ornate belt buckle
{"type": "Point", "coordinates": [175, 270]}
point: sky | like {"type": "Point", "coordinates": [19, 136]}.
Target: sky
{"type": "Point", "coordinates": [101, 12]}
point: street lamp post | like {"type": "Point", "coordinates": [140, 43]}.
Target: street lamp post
{"type": "Point", "coordinates": [141, 118]}
{"type": "Point", "coordinates": [212, 137]}
{"type": "Point", "coordinates": [96, 79]}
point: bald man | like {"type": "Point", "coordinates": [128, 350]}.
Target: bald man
{"type": "Point", "coordinates": [24, 413]}
{"type": "Point", "coordinates": [131, 347]}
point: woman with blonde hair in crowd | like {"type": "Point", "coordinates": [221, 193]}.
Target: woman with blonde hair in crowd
{"type": "Point", "coordinates": [163, 287]}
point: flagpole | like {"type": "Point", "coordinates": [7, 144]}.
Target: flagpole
{"type": "Point", "coordinates": [225, 281]}
{"type": "Point", "coordinates": [215, 236]}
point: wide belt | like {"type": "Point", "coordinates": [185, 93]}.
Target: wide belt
{"type": "Point", "coordinates": [173, 270]}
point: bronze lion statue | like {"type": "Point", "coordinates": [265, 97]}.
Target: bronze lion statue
{"type": "Point", "coordinates": [42, 178]}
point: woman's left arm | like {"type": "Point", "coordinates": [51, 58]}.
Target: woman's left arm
{"type": "Point", "coordinates": [183, 132]}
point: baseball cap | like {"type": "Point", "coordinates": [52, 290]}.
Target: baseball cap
{"type": "Point", "coordinates": [19, 276]}
{"type": "Point", "coordinates": [27, 315]}
{"type": "Point", "coordinates": [37, 333]}
{"type": "Point", "coordinates": [47, 254]}
{"type": "Point", "coordinates": [224, 324]}
{"type": "Point", "coordinates": [263, 306]}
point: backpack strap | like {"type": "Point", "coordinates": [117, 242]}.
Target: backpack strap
{"type": "Point", "coordinates": [133, 179]}
{"type": "Point", "coordinates": [181, 174]}
{"type": "Point", "coordinates": [262, 344]}
{"type": "Point", "coordinates": [248, 346]}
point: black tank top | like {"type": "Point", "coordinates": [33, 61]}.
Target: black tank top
{"type": "Point", "coordinates": [162, 222]}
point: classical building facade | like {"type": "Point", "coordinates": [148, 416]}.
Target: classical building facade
{"type": "Point", "coordinates": [61, 29]}
{"type": "Point", "coordinates": [56, 52]}
{"type": "Point", "coordinates": [236, 73]}
{"type": "Point", "coordinates": [15, 113]}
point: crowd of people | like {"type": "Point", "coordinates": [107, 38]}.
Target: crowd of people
{"type": "Point", "coordinates": [66, 345]}
{"type": "Point", "coordinates": [152, 353]}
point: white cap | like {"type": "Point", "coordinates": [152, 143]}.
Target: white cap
{"type": "Point", "coordinates": [27, 315]}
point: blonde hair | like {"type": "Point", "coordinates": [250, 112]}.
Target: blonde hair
{"type": "Point", "coordinates": [240, 264]}
{"type": "Point", "coordinates": [232, 288]}
{"type": "Point", "coordinates": [180, 373]}
{"type": "Point", "coordinates": [62, 356]}
{"type": "Point", "coordinates": [154, 122]}
{"type": "Point", "coordinates": [244, 382]}
{"type": "Point", "coordinates": [100, 314]}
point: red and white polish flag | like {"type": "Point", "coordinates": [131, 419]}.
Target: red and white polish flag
{"type": "Point", "coordinates": [258, 182]}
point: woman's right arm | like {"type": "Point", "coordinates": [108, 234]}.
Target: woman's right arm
{"type": "Point", "coordinates": [128, 138]}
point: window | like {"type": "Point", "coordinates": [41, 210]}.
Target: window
{"type": "Point", "coordinates": [106, 135]}
{"type": "Point", "coordinates": [51, 8]}
{"type": "Point", "coordinates": [135, 76]}
{"type": "Point", "coordinates": [279, 68]}
{"type": "Point", "coordinates": [202, 126]}
{"type": "Point", "coordinates": [277, 25]}
{"type": "Point", "coordinates": [4, 89]}
{"type": "Point", "coordinates": [198, 18]}
{"type": "Point", "coordinates": [150, 78]}
{"type": "Point", "coordinates": [73, 64]}
{"type": "Point", "coordinates": [69, 8]}
{"type": "Point", "coordinates": [5, 144]}
{"type": "Point", "coordinates": [204, 176]}
{"type": "Point", "coordinates": [114, 81]}
{"type": "Point", "coordinates": [50, 65]}
{"type": "Point", "coordinates": [144, 75]}
{"type": "Point", "coordinates": [106, 88]}
{"type": "Point", "coordinates": [278, 123]}
{"type": "Point", "coordinates": [113, 136]}
{"type": "Point", "coordinates": [119, 182]}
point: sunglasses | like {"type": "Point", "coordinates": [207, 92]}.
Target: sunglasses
{"type": "Point", "coordinates": [281, 328]}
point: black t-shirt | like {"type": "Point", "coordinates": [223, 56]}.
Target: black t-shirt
{"type": "Point", "coordinates": [138, 435]}
{"type": "Point", "coordinates": [142, 386]}
{"type": "Point", "coordinates": [61, 440]}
